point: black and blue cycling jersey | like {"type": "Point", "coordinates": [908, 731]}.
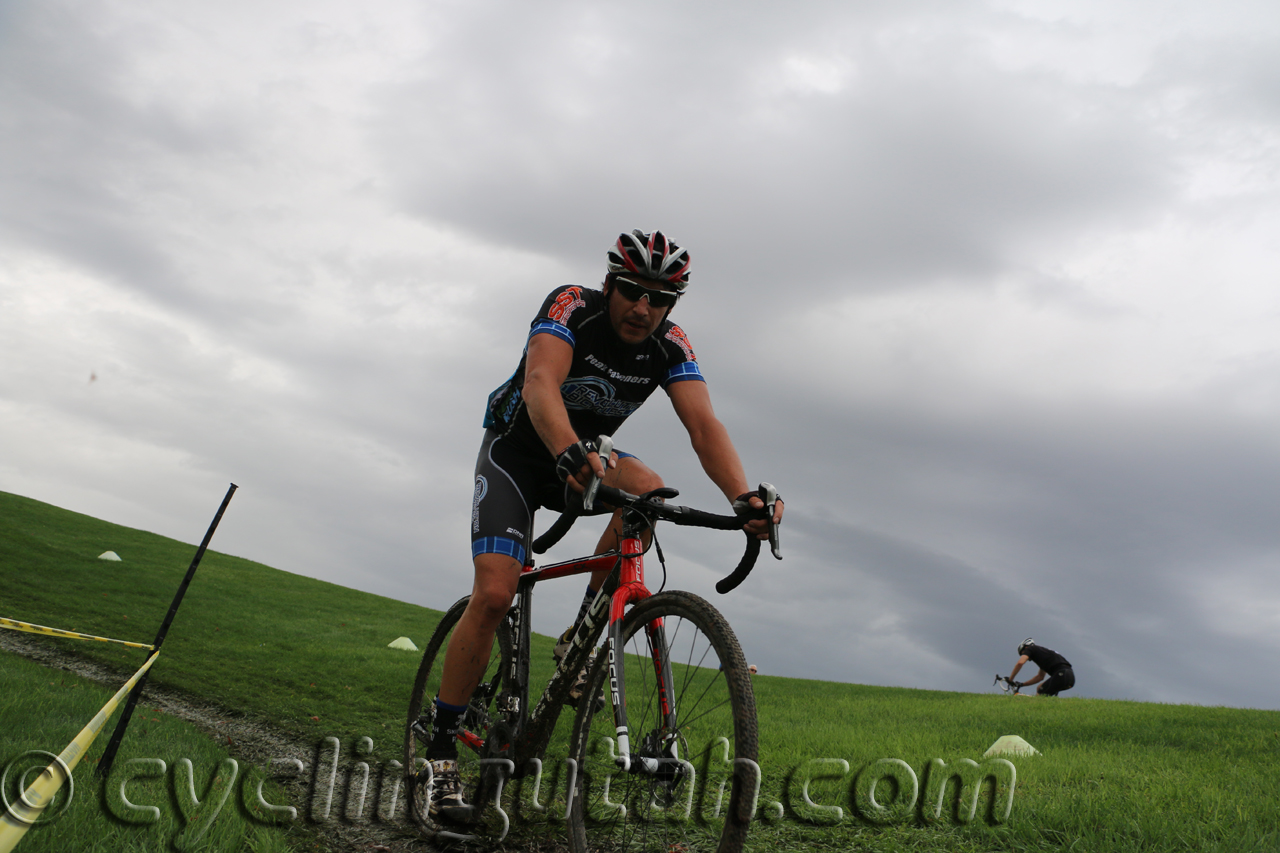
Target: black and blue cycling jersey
{"type": "Point", "coordinates": [608, 380]}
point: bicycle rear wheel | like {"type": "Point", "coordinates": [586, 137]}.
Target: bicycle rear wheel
{"type": "Point", "coordinates": [479, 720]}
{"type": "Point", "coordinates": [701, 795]}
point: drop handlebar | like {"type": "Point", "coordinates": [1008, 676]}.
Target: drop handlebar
{"type": "Point", "coordinates": [653, 506]}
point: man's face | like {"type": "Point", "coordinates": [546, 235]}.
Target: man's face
{"type": "Point", "coordinates": [635, 321]}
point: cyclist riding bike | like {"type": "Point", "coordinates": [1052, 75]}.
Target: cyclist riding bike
{"type": "Point", "coordinates": [591, 359]}
{"type": "Point", "coordinates": [1055, 675]}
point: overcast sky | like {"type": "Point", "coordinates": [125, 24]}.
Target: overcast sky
{"type": "Point", "coordinates": [991, 291]}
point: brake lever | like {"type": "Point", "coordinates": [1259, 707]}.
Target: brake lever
{"type": "Point", "coordinates": [605, 445]}
{"type": "Point", "coordinates": [770, 496]}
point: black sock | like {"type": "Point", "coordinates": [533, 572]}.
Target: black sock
{"type": "Point", "coordinates": [589, 597]}
{"type": "Point", "coordinates": [444, 733]}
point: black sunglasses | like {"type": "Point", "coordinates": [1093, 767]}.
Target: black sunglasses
{"type": "Point", "coordinates": [633, 293]}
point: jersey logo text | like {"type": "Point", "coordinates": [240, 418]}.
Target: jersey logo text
{"type": "Point", "coordinates": [482, 489]}
{"type": "Point", "coordinates": [566, 303]}
{"type": "Point", "coordinates": [595, 395]}
{"type": "Point", "coordinates": [676, 336]}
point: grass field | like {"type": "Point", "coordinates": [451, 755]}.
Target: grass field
{"type": "Point", "coordinates": [311, 658]}
{"type": "Point", "coordinates": [42, 710]}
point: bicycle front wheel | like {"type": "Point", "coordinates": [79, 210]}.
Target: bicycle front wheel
{"type": "Point", "coordinates": [477, 723]}
{"type": "Point", "coordinates": [691, 717]}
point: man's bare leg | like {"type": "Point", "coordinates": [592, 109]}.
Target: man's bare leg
{"type": "Point", "coordinates": [496, 576]}
{"type": "Point", "coordinates": [465, 661]}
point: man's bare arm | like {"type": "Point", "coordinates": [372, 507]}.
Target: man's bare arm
{"type": "Point", "coordinates": [708, 436]}
{"type": "Point", "coordinates": [545, 371]}
{"type": "Point", "coordinates": [714, 448]}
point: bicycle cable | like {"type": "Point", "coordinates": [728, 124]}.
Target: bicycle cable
{"type": "Point", "coordinates": [653, 543]}
{"type": "Point", "coordinates": [662, 561]}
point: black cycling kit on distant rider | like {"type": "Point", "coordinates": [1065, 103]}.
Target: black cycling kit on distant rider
{"type": "Point", "coordinates": [1061, 675]}
{"type": "Point", "coordinates": [608, 380]}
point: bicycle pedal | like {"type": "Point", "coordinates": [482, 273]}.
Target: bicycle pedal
{"type": "Point", "coordinates": [420, 732]}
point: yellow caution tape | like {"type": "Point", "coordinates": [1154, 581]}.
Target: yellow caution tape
{"type": "Point", "coordinates": [20, 816]}
{"type": "Point", "coordinates": [15, 625]}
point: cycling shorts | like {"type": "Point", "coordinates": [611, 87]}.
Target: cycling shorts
{"type": "Point", "coordinates": [1062, 679]}
{"type": "Point", "coordinates": [511, 484]}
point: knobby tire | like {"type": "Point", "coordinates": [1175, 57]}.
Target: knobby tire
{"type": "Point", "coordinates": [716, 724]}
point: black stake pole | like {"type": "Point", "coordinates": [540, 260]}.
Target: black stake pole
{"type": "Point", "coordinates": [113, 746]}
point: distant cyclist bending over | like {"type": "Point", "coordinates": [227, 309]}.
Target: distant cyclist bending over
{"type": "Point", "coordinates": [592, 358]}
{"type": "Point", "coordinates": [1060, 675]}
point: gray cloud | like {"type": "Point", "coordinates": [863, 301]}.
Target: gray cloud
{"type": "Point", "coordinates": [989, 296]}
{"type": "Point", "coordinates": [893, 173]}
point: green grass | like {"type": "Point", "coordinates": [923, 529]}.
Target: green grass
{"type": "Point", "coordinates": [1123, 776]}
{"type": "Point", "coordinates": [311, 658]}
{"type": "Point", "coordinates": [43, 709]}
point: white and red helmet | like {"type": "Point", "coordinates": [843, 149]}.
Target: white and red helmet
{"type": "Point", "coordinates": [650, 256]}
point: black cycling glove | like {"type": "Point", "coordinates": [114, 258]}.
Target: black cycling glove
{"type": "Point", "coordinates": [742, 503]}
{"type": "Point", "coordinates": [572, 458]}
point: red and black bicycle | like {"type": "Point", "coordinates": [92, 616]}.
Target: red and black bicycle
{"type": "Point", "coordinates": [674, 765]}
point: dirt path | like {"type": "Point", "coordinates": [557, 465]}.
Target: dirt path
{"type": "Point", "coordinates": [247, 741]}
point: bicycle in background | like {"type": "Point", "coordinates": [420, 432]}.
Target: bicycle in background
{"type": "Point", "coordinates": [1007, 686]}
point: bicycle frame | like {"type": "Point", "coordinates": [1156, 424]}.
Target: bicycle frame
{"type": "Point", "coordinates": [510, 737]}
{"type": "Point", "coordinates": [624, 587]}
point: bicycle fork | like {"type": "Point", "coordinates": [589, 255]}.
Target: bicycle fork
{"type": "Point", "coordinates": [659, 750]}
